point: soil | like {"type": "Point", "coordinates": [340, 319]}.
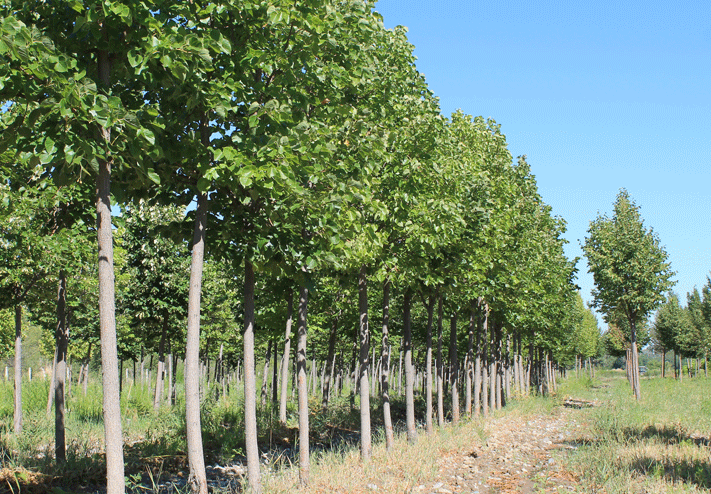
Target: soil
{"type": "Point", "coordinates": [520, 455]}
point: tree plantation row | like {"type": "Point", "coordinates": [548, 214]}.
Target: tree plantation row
{"type": "Point", "coordinates": [282, 171]}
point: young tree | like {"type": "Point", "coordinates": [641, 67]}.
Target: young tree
{"type": "Point", "coordinates": [630, 268]}
{"type": "Point", "coordinates": [669, 321]}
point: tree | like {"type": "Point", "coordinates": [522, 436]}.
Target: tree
{"type": "Point", "coordinates": [669, 321]}
{"type": "Point", "coordinates": [629, 267]}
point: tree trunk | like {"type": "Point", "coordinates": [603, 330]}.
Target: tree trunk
{"type": "Point", "coordinates": [275, 375]}
{"type": "Point", "coordinates": [52, 382]}
{"type": "Point", "coordinates": [331, 360]}
{"type": "Point", "coordinates": [196, 458]}
{"type": "Point", "coordinates": [250, 385]}
{"type": "Point", "coordinates": [385, 364]}
{"type": "Point", "coordinates": [85, 382]}
{"type": "Point", "coordinates": [409, 371]}
{"type": "Point", "coordinates": [635, 361]}
{"type": "Point", "coordinates": [485, 364]}
{"type": "Point", "coordinates": [303, 388]}
{"type": "Point", "coordinates": [469, 361]}
{"type": "Point", "coordinates": [440, 366]}
{"type": "Point", "coordinates": [428, 367]}
{"type": "Point", "coordinates": [481, 326]}
{"type": "Point", "coordinates": [115, 482]}
{"type": "Point", "coordinates": [62, 337]}
{"type": "Point", "coordinates": [285, 359]}
{"type": "Point", "coordinates": [265, 375]}
{"type": "Point", "coordinates": [18, 371]}
{"type": "Point", "coordinates": [492, 368]}
{"type": "Point", "coordinates": [160, 375]}
{"type": "Point", "coordinates": [454, 368]}
{"type": "Point", "coordinates": [365, 437]}
{"type": "Point", "coordinates": [169, 372]}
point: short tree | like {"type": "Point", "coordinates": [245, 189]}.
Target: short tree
{"type": "Point", "coordinates": [629, 267]}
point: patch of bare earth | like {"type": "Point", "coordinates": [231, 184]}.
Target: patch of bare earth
{"type": "Point", "coordinates": [522, 454]}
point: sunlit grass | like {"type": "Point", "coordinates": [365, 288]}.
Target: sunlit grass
{"type": "Point", "coordinates": [659, 444]}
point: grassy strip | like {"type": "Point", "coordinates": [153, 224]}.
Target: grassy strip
{"type": "Point", "coordinates": [658, 445]}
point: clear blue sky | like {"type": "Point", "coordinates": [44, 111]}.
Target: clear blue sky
{"type": "Point", "coordinates": [599, 96]}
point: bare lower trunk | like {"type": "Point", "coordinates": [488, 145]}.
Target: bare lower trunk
{"type": "Point", "coordinates": [52, 382]}
{"type": "Point", "coordinates": [330, 360]}
{"type": "Point", "coordinates": [385, 364]}
{"type": "Point", "coordinates": [250, 385]}
{"type": "Point", "coordinates": [18, 371]}
{"type": "Point", "coordinates": [85, 382]}
{"type": "Point", "coordinates": [285, 359]}
{"type": "Point", "coordinates": [303, 388]}
{"type": "Point", "coordinates": [454, 368]}
{"type": "Point", "coordinates": [62, 337]}
{"type": "Point", "coordinates": [409, 371]}
{"type": "Point", "coordinates": [365, 437]}
{"type": "Point", "coordinates": [485, 365]}
{"type": "Point", "coordinates": [469, 361]}
{"type": "Point", "coordinates": [481, 326]}
{"type": "Point", "coordinates": [440, 365]}
{"type": "Point", "coordinates": [113, 433]}
{"type": "Point", "coordinates": [428, 367]}
{"type": "Point", "coordinates": [265, 375]}
{"type": "Point", "coordinates": [196, 458]}
{"type": "Point", "coordinates": [160, 375]}
{"type": "Point", "coordinates": [635, 362]}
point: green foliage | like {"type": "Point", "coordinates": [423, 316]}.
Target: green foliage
{"type": "Point", "coordinates": [670, 322]}
{"type": "Point", "coordinates": [7, 332]}
{"type": "Point", "coordinates": [630, 268]}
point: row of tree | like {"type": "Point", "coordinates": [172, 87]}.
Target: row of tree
{"type": "Point", "coordinates": [294, 147]}
{"type": "Point", "coordinates": [685, 331]}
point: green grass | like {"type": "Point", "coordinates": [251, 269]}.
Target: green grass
{"type": "Point", "coordinates": [657, 445]}
{"type": "Point", "coordinates": [660, 444]}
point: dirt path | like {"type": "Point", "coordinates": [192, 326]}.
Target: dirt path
{"type": "Point", "coordinates": [521, 455]}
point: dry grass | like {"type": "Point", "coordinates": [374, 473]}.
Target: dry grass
{"type": "Point", "coordinates": [397, 471]}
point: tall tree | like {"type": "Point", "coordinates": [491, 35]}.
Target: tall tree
{"type": "Point", "coordinates": [630, 268]}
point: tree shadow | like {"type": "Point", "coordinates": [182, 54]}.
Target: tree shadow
{"type": "Point", "coordinates": [678, 470]}
{"type": "Point", "coordinates": [687, 471]}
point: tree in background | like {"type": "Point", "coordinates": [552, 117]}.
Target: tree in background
{"type": "Point", "coordinates": [669, 321]}
{"type": "Point", "coordinates": [692, 338]}
{"type": "Point", "coordinates": [630, 269]}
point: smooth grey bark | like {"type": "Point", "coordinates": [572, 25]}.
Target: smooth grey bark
{"type": "Point", "coordinates": [469, 361]}
{"type": "Point", "coordinates": [635, 361]}
{"type": "Point", "coordinates": [331, 360]}
{"type": "Point", "coordinates": [170, 370]}
{"type": "Point", "coordinates": [385, 374]}
{"type": "Point", "coordinates": [485, 364]}
{"type": "Point", "coordinates": [429, 427]}
{"type": "Point", "coordinates": [364, 331]}
{"type": "Point", "coordinates": [492, 367]}
{"type": "Point", "coordinates": [52, 381]}
{"type": "Point", "coordinates": [275, 375]}
{"type": "Point", "coordinates": [160, 375]}
{"type": "Point", "coordinates": [481, 322]}
{"type": "Point", "coordinates": [265, 375]}
{"type": "Point", "coordinates": [303, 388]}
{"type": "Point", "coordinates": [454, 368]}
{"type": "Point", "coordinates": [285, 359]}
{"type": "Point", "coordinates": [115, 483]}
{"type": "Point", "coordinates": [409, 371]}
{"type": "Point", "coordinates": [17, 415]}
{"type": "Point", "coordinates": [85, 382]}
{"type": "Point", "coordinates": [196, 458]}
{"type": "Point", "coordinates": [62, 339]}
{"type": "Point", "coordinates": [250, 385]}
{"type": "Point", "coordinates": [440, 366]}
